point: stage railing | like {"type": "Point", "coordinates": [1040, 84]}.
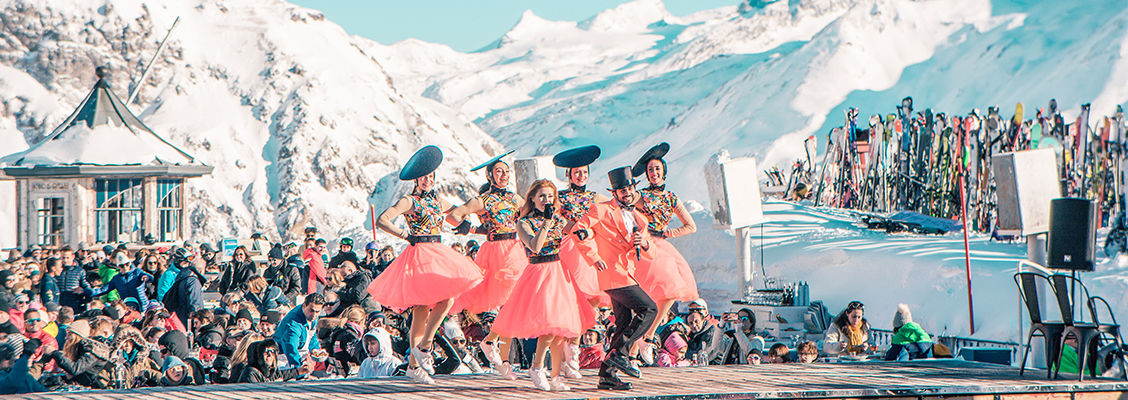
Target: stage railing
{"type": "Point", "coordinates": [884, 339]}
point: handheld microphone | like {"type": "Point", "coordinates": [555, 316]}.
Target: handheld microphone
{"type": "Point", "coordinates": [638, 252]}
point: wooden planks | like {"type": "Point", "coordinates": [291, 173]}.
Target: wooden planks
{"type": "Point", "coordinates": [933, 379]}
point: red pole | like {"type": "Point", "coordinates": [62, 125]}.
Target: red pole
{"type": "Point", "coordinates": [967, 250]}
{"type": "Point", "coordinates": [371, 211]}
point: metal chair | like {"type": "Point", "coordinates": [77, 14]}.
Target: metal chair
{"type": "Point", "coordinates": [1050, 331]}
{"type": "Point", "coordinates": [1084, 332]}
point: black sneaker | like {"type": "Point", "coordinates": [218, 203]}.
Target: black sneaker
{"type": "Point", "coordinates": [623, 364]}
{"type": "Point", "coordinates": [606, 383]}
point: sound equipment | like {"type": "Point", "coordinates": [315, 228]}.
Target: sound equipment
{"type": "Point", "coordinates": [1025, 181]}
{"type": "Point", "coordinates": [1073, 234]}
{"type": "Point", "coordinates": [734, 191]}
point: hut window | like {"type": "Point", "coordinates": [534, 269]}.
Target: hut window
{"type": "Point", "coordinates": [169, 207]}
{"type": "Point", "coordinates": [51, 221]}
{"type": "Point", "coordinates": [118, 210]}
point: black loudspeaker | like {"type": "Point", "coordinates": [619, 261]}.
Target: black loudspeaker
{"type": "Point", "coordinates": [1073, 234]}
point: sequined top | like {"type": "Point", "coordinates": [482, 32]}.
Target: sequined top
{"type": "Point", "coordinates": [500, 211]}
{"type": "Point", "coordinates": [574, 204]}
{"type": "Point", "coordinates": [658, 207]}
{"type": "Point", "coordinates": [425, 217]}
{"type": "Point", "coordinates": [552, 241]}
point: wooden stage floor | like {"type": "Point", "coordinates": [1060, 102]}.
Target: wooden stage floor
{"type": "Point", "coordinates": [919, 379]}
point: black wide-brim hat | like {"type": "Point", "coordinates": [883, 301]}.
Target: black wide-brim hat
{"type": "Point", "coordinates": [655, 153]}
{"type": "Point", "coordinates": [577, 157]}
{"type": "Point", "coordinates": [490, 161]}
{"type": "Point", "coordinates": [423, 162]}
{"type": "Point", "coordinates": [621, 178]}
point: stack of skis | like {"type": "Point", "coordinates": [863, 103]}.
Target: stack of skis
{"type": "Point", "coordinates": [939, 165]}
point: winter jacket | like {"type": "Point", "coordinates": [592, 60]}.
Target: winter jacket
{"type": "Point", "coordinates": [341, 344]}
{"type": "Point", "coordinates": [166, 281]}
{"type": "Point", "coordinates": [343, 256]}
{"type": "Point", "coordinates": [269, 299]}
{"type": "Point", "coordinates": [48, 290]}
{"type": "Point", "coordinates": [186, 294]}
{"type": "Point", "coordinates": [257, 370]}
{"type": "Point", "coordinates": [293, 335]}
{"type": "Point", "coordinates": [356, 290]}
{"type": "Point", "coordinates": [235, 277]}
{"type": "Point", "coordinates": [17, 380]}
{"type": "Point", "coordinates": [73, 276]}
{"type": "Point", "coordinates": [316, 269]}
{"type": "Point", "coordinates": [131, 284]}
{"type": "Point", "coordinates": [89, 367]}
{"type": "Point", "coordinates": [591, 357]}
{"type": "Point", "coordinates": [380, 364]}
{"type": "Point", "coordinates": [174, 361]}
{"type": "Point", "coordinates": [287, 277]}
{"type": "Point", "coordinates": [835, 337]}
{"type": "Point", "coordinates": [108, 272]}
{"type": "Point", "coordinates": [910, 342]}
{"type": "Point", "coordinates": [374, 266]}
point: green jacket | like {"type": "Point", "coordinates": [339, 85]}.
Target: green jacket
{"type": "Point", "coordinates": [911, 333]}
{"type": "Point", "coordinates": [107, 273]}
{"type": "Point", "coordinates": [1069, 361]}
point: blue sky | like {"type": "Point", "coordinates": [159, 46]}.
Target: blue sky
{"type": "Point", "coordinates": [465, 25]}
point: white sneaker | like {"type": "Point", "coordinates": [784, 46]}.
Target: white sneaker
{"type": "Point", "coordinates": [540, 378]}
{"type": "Point", "coordinates": [492, 355]}
{"type": "Point", "coordinates": [557, 384]}
{"type": "Point", "coordinates": [420, 376]}
{"type": "Point", "coordinates": [567, 372]}
{"type": "Point", "coordinates": [646, 353]}
{"type": "Point", "coordinates": [506, 371]}
{"type": "Point", "coordinates": [426, 362]}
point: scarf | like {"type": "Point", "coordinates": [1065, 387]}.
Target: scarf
{"type": "Point", "coordinates": [854, 335]}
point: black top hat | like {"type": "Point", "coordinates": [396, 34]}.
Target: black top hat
{"type": "Point", "coordinates": [621, 178]}
{"type": "Point", "coordinates": [423, 162]}
{"type": "Point", "coordinates": [577, 157]}
{"type": "Point", "coordinates": [655, 153]}
{"type": "Point", "coordinates": [490, 161]}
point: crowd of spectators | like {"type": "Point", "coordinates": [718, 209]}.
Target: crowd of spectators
{"type": "Point", "coordinates": [118, 317]}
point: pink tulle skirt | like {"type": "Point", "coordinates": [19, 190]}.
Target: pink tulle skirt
{"type": "Point", "coordinates": [585, 279]}
{"type": "Point", "coordinates": [424, 274]}
{"type": "Point", "coordinates": [666, 276]}
{"type": "Point", "coordinates": [502, 262]}
{"type": "Point", "coordinates": [543, 302]}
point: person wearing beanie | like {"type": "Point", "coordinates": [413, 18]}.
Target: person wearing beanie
{"type": "Point", "coordinates": [910, 341]}
{"type": "Point", "coordinates": [269, 322]}
{"type": "Point", "coordinates": [282, 274]}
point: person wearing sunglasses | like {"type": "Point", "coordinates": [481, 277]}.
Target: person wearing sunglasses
{"type": "Point", "coordinates": [34, 322]}
{"type": "Point", "coordinates": [740, 336]}
{"type": "Point", "coordinates": [850, 332]}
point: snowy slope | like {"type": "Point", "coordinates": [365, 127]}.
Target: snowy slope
{"type": "Point", "coordinates": [302, 127]}
{"type": "Point", "coordinates": [759, 80]}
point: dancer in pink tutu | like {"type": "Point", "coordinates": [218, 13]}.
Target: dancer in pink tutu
{"type": "Point", "coordinates": [501, 258]}
{"type": "Point", "coordinates": [667, 277]}
{"type": "Point", "coordinates": [573, 204]}
{"type": "Point", "coordinates": [543, 302]}
{"type": "Point", "coordinates": [428, 274]}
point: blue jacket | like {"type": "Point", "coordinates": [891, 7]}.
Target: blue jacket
{"type": "Point", "coordinates": [166, 281]}
{"type": "Point", "coordinates": [17, 380]}
{"type": "Point", "coordinates": [127, 284]}
{"type": "Point", "coordinates": [293, 335]}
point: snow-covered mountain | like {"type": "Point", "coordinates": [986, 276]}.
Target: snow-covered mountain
{"type": "Point", "coordinates": [302, 126]}
{"type": "Point", "coordinates": [758, 79]}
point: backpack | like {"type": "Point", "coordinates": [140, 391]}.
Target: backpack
{"type": "Point", "coordinates": [172, 300]}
